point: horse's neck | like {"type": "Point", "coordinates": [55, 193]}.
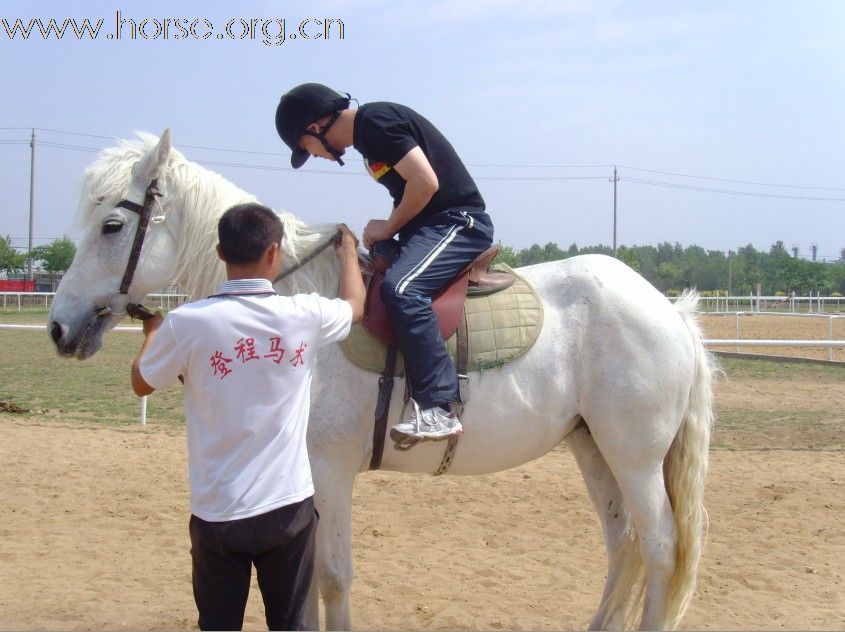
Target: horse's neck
{"type": "Point", "coordinates": [203, 197]}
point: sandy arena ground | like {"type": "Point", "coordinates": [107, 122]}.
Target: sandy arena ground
{"type": "Point", "coordinates": [95, 537]}
{"type": "Point", "coordinates": [95, 528]}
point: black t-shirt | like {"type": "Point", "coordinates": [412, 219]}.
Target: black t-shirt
{"type": "Point", "coordinates": [385, 132]}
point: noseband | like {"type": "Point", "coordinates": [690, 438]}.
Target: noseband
{"type": "Point", "coordinates": [144, 211]}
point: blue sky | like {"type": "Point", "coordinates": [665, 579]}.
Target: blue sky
{"type": "Point", "coordinates": [552, 94]}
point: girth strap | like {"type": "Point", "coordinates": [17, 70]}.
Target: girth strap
{"type": "Point", "coordinates": [462, 366]}
{"type": "Point", "coordinates": [385, 390]}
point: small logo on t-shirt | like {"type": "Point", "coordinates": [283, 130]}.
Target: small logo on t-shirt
{"type": "Point", "coordinates": [376, 169]}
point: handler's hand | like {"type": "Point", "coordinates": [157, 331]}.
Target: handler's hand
{"type": "Point", "coordinates": [151, 325]}
{"type": "Point", "coordinates": [376, 230]}
{"type": "Point", "coordinates": [347, 243]}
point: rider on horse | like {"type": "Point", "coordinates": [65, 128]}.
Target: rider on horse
{"type": "Point", "coordinates": [438, 215]}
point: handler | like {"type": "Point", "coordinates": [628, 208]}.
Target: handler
{"type": "Point", "coordinates": [438, 215]}
{"type": "Point", "coordinates": [246, 355]}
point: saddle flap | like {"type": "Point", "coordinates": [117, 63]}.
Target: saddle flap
{"type": "Point", "coordinates": [448, 306]}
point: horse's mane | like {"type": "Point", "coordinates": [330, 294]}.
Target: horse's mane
{"type": "Point", "coordinates": [201, 196]}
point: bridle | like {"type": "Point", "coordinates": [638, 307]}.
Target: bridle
{"type": "Point", "coordinates": [144, 211]}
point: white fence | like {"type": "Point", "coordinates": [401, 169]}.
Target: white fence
{"type": "Point", "coordinates": [738, 342]}
{"type": "Point", "coordinates": [773, 304]}
{"type": "Point", "coordinates": [750, 303]}
{"type": "Point", "coordinates": [830, 344]}
{"type": "Point", "coordinates": [28, 300]}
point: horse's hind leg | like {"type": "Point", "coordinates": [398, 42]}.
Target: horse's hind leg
{"type": "Point", "coordinates": [651, 512]}
{"type": "Point", "coordinates": [607, 498]}
{"type": "Point", "coordinates": [638, 468]}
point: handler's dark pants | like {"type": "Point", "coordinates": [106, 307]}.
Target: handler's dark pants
{"type": "Point", "coordinates": [429, 258]}
{"type": "Point", "coordinates": [281, 545]}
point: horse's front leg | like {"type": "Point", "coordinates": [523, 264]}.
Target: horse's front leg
{"type": "Point", "coordinates": [333, 571]}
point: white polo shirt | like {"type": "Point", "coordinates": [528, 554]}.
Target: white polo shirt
{"type": "Point", "coordinates": [247, 356]}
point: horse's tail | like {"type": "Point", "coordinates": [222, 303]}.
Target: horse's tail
{"type": "Point", "coordinates": [685, 469]}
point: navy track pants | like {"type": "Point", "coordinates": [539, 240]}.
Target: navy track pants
{"type": "Point", "coordinates": [430, 257]}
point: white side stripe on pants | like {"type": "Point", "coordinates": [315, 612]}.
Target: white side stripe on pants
{"type": "Point", "coordinates": [427, 261]}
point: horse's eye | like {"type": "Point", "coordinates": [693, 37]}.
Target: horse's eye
{"type": "Point", "coordinates": [112, 226]}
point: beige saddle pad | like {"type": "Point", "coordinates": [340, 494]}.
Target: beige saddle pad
{"type": "Point", "coordinates": [502, 326]}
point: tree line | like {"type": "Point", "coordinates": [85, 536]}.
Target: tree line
{"type": "Point", "coordinates": [672, 267]}
{"type": "Point", "coordinates": [669, 267]}
{"type": "Point", "coordinates": [54, 257]}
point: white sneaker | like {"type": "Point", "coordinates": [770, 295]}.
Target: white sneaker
{"type": "Point", "coordinates": [432, 424]}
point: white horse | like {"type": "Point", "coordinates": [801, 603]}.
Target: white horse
{"type": "Point", "coordinates": [617, 373]}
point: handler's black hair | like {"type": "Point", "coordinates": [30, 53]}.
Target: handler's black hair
{"type": "Point", "coordinates": [246, 231]}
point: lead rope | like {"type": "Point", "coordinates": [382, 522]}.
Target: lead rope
{"type": "Point", "coordinates": [333, 239]}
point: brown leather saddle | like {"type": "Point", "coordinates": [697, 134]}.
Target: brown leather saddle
{"type": "Point", "coordinates": [474, 280]}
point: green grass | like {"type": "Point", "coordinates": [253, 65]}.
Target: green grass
{"type": "Point", "coordinates": [768, 369]}
{"type": "Point", "coordinates": [98, 391]}
{"type": "Point", "coordinates": [33, 316]}
{"type": "Point", "coordinates": [741, 428]}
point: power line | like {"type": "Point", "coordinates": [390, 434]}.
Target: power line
{"type": "Point", "coordinates": [686, 187]}
{"type": "Point", "coordinates": [216, 163]}
{"type": "Point", "coordinates": [513, 166]}
{"type": "Point", "coordinates": [761, 184]}
{"type": "Point", "coordinates": [219, 163]}
{"type": "Point", "coordinates": [239, 165]}
{"type": "Point", "coordinates": [45, 143]}
{"type": "Point", "coordinates": [61, 131]}
{"type": "Point", "coordinates": [528, 178]}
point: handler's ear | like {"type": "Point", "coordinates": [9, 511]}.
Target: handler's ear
{"type": "Point", "coordinates": [273, 251]}
{"type": "Point", "coordinates": [220, 253]}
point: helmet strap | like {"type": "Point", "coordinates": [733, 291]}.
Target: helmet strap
{"type": "Point", "coordinates": [321, 136]}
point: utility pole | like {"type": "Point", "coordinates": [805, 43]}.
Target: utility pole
{"type": "Point", "coordinates": [614, 180]}
{"type": "Point", "coordinates": [730, 271]}
{"type": "Point", "coordinates": [31, 201]}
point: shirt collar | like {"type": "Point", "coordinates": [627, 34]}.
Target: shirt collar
{"type": "Point", "coordinates": [245, 286]}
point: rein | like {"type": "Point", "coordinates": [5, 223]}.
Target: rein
{"type": "Point", "coordinates": [331, 240]}
{"type": "Point", "coordinates": [144, 212]}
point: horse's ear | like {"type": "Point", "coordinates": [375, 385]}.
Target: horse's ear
{"type": "Point", "coordinates": [154, 163]}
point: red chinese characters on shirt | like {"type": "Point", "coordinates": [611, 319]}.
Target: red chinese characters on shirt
{"type": "Point", "coordinates": [276, 350]}
{"type": "Point", "coordinates": [245, 350]}
{"type": "Point", "coordinates": [218, 364]}
{"type": "Point", "coordinates": [297, 358]}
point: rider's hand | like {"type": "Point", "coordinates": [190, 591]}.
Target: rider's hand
{"type": "Point", "coordinates": [376, 230]}
{"type": "Point", "coordinates": [152, 324]}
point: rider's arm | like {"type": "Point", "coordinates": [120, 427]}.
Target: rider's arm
{"type": "Point", "coordinates": [420, 186]}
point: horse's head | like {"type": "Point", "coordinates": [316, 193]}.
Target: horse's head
{"type": "Point", "coordinates": [89, 300]}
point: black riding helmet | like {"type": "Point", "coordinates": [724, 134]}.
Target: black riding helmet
{"type": "Point", "coordinates": [300, 107]}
